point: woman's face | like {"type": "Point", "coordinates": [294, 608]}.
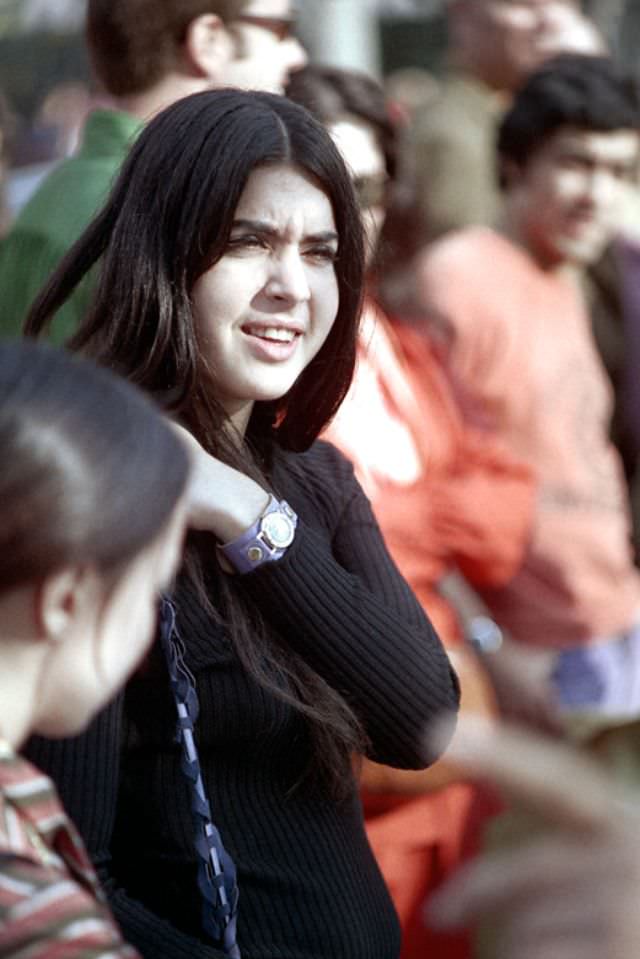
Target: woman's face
{"type": "Point", "coordinates": [266, 307]}
{"type": "Point", "coordinates": [111, 630]}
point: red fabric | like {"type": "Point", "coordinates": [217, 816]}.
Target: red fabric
{"type": "Point", "coordinates": [419, 842]}
{"type": "Point", "coordinates": [444, 494]}
{"type": "Point", "coordinates": [51, 906]}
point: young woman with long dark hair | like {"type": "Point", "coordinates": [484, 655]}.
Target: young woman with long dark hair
{"type": "Point", "coordinates": [230, 272]}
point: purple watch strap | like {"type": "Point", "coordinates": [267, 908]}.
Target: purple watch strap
{"type": "Point", "coordinates": [267, 540]}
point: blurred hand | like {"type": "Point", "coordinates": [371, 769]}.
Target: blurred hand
{"type": "Point", "coordinates": [571, 893]}
{"type": "Point", "coordinates": [521, 680]}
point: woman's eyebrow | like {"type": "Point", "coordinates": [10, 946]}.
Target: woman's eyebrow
{"type": "Point", "coordinates": [268, 229]}
{"type": "Point", "coordinates": [327, 236]}
{"type": "Point", "coordinates": [258, 226]}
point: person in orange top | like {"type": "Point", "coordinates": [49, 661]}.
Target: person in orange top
{"type": "Point", "coordinates": [520, 341]}
{"type": "Point", "coordinates": [447, 502]}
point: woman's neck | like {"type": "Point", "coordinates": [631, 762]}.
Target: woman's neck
{"type": "Point", "coordinates": [21, 663]}
{"type": "Point", "coordinates": [16, 706]}
{"type": "Point", "coordinates": [239, 417]}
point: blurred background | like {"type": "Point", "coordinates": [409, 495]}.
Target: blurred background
{"type": "Point", "coordinates": [43, 67]}
{"type": "Point", "coordinates": [46, 88]}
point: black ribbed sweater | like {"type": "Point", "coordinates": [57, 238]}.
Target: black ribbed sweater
{"type": "Point", "coordinates": [309, 886]}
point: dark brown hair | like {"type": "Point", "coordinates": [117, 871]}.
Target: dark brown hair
{"type": "Point", "coordinates": [90, 470]}
{"type": "Point", "coordinates": [133, 44]}
{"type": "Point", "coordinates": [330, 92]}
{"type": "Point", "coordinates": [588, 93]}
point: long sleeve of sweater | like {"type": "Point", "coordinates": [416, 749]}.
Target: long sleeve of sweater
{"type": "Point", "coordinates": [339, 599]}
{"type": "Point", "coordinates": [86, 772]}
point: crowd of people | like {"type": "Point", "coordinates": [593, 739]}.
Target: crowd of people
{"type": "Point", "coordinates": [329, 444]}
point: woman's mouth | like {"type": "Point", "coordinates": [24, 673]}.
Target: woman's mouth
{"type": "Point", "coordinates": [276, 334]}
{"type": "Point", "coordinates": [273, 344]}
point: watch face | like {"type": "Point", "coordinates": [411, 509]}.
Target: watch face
{"type": "Point", "coordinates": [278, 529]}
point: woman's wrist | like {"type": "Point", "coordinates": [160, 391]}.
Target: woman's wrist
{"type": "Point", "coordinates": [235, 510]}
{"type": "Point", "coordinates": [264, 541]}
{"type": "Point", "coordinates": [222, 500]}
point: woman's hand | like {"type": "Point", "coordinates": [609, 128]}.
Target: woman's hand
{"type": "Point", "coordinates": [221, 500]}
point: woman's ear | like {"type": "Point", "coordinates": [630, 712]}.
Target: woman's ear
{"type": "Point", "coordinates": [208, 46]}
{"type": "Point", "coordinates": [62, 601]}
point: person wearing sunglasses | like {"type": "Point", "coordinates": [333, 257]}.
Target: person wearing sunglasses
{"type": "Point", "coordinates": [145, 55]}
{"type": "Point", "coordinates": [266, 48]}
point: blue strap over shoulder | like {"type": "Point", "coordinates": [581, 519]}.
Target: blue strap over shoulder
{"type": "Point", "coordinates": [216, 870]}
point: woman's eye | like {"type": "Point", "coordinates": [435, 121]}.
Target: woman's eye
{"type": "Point", "coordinates": [323, 254]}
{"type": "Point", "coordinates": [248, 242]}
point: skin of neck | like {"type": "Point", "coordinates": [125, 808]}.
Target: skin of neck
{"type": "Point", "coordinates": [468, 55]}
{"type": "Point", "coordinates": [22, 655]}
{"type": "Point", "coordinates": [512, 226]}
{"type": "Point", "coordinates": [145, 105]}
{"type": "Point", "coordinates": [240, 419]}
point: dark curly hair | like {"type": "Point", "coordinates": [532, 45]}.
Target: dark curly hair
{"type": "Point", "coordinates": [573, 90]}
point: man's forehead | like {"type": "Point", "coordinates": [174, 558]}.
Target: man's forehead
{"type": "Point", "coordinates": [268, 8]}
{"type": "Point", "coordinates": [623, 142]}
{"type": "Point", "coordinates": [533, 4]}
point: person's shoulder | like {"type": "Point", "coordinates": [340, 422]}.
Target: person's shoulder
{"type": "Point", "coordinates": [26, 794]}
{"type": "Point", "coordinates": [71, 193]}
{"type": "Point", "coordinates": [321, 461]}
{"type": "Point", "coordinates": [461, 252]}
{"type": "Point", "coordinates": [460, 98]}
{"type": "Point", "coordinates": [68, 190]}
{"type": "Point", "coordinates": [459, 280]}
{"type": "Point", "coordinates": [472, 96]}
{"type": "Point", "coordinates": [467, 241]}
{"type": "Point", "coordinates": [319, 481]}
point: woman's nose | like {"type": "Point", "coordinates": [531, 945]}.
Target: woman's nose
{"type": "Point", "coordinates": [288, 278]}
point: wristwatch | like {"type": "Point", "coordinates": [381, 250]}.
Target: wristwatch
{"type": "Point", "coordinates": [267, 540]}
{"type": "Point", "coordinates": [484, 634]}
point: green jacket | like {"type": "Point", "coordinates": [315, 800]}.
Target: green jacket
{"type": "Point", "coordinates": [54, 218]}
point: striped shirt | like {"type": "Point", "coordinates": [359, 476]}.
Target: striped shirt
{"type": "Point", "coordinates": [51, 905]}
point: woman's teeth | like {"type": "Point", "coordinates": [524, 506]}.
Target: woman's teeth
{"type": "Point", "coordinates": [273, 333]}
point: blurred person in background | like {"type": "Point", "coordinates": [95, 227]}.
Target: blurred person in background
{"type": "Point", "coordinates": [450, 163]}
{"type": "Point", "coordinates": [93, 506]}
{"type": "Point", "coordinates": [410, 90]}
{"type": "Point", "coordinates": [145, 54]}
{"type": "Point", "coordinates": [7, 129]}
{"type": "Point", "coordinates": [64, 112]}
{"type": "Point", "coordinates": [520, 343]}
{"type": "Point", "coordinates": [568, 889]}
{"type": "Point", "coordinates": [447, 500]}
{"type": "Point", "coordinates": [493, 46]}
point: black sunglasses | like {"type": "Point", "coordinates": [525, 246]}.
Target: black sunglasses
{"type": "Point", "coordinates": [282, 27]}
